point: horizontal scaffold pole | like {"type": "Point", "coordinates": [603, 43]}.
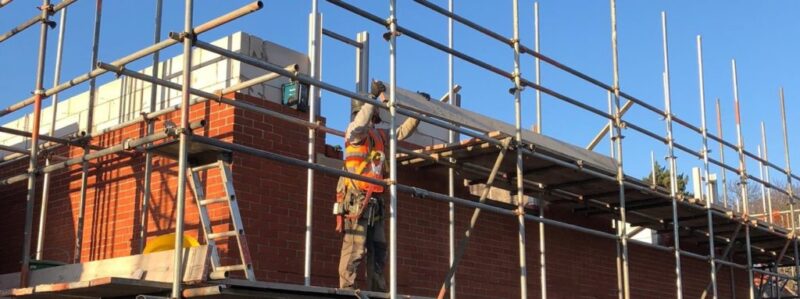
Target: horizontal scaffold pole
{"type": "Point", "coordinates": [127, 144]}
{"type": "Point", "coordinates": [244, 10]}
{"type": "Point", "coordinates": [35, 20]}
{"type": "Point", "coordinates": [219, 95]}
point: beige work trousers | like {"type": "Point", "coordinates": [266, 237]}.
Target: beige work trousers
{"type": "Point", "coordinates": [361, 239]}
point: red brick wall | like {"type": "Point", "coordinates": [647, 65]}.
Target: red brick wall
{"type": "Point", "coordinates": [113, 199]}
{"type": "Point", "coordinates": [272, 199]}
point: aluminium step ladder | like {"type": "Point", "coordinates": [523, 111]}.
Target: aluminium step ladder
{"type": "Point", "coordinates": [204, 157]}
{"type": "Point", "coordinates": [237, 231]}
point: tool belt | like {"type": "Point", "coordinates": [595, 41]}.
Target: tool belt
{"type": "Point", "coordinates": [357, 205]}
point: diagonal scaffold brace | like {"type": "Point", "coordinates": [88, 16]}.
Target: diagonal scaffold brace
{"type": "Point", "coordinates": [462, 245]}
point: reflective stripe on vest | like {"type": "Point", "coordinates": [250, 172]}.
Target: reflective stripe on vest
{"type": "Point", "coordinates": [366, 159]}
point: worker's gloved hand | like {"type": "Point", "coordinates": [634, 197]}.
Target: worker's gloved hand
{"type": "Point", "coordinates": [339, 226]}
{"type": "Point", "coordinates": [425, 95]}
{"type": "Point", "coordinates": [377, 89]}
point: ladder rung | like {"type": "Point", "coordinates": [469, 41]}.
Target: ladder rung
{"type": "Point", "coordinates": [232, 268]}
{"type": "Point", "coordinates": [221, 235]}
{"type": "Point", "coordinates": [205, 167]}
{"type": "Point", "coordinates": [206, 202]}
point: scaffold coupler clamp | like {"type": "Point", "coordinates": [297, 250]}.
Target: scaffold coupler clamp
{"type": "Point", "coordinates": [47, 10]}
{"type": "Point", "coordinates": [519, 211]}
{"type": "Point", "coordinates": [117, 70]}
{"type": "Point", "coordinates": [531, 148]}
{"type": "Point", "coordinates": [147, 119]}
{"type": "Point", "coordinates": [218, 95]}
{"type": "Point", "coordinates": [171, 129]}
{"type": "Point", "coordinates": [619, 123]}
{"type": "Point", "coordinates": [34, 171]}
{"type": "Point", "coordinates": [126, 144]}
{"type": "Point", "coordinates": [180, 36]}
{"type": "Point", "coordinates": [515, 78]}
{"type": "Point", "coordinates": [419, 193]}
{"type": "Point", "coordinates": [40, 93]}
{"type": "Point", "coordinates": [511, 145]}
{"type": "Point", "coordinates": [388, 35]}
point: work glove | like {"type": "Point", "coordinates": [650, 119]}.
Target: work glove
{"type": "Point", "coordinates": [339, 224]}
{"type": "Point", "coordinates": [337, 212]}
{"type": "Point", "coordinates": [425, 95]}
{"type": "Point", "coordinates": [377, 89]}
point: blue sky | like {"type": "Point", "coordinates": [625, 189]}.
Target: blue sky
{"type": "Point", "coordinates": [761, 35]}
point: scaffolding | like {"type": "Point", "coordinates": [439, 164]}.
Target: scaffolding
{"type": "Point", "coordinates": [624, 199]}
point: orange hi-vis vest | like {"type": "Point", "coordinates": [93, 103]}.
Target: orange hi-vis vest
{"type": "Point", "coordinates": [367, 159]}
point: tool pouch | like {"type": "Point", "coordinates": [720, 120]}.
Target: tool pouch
{"type": "Point", "coordinates": [352, 202]}
{"type": "Point", "coordinates": [374, 211]}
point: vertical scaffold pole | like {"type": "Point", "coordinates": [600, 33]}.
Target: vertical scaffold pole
{"type": "Point", "coordinates": [653, 181]}
{"type": "Point", "coordinates": [188, 39]}
{"type": "Point", "coordinates": [89, 125]}
{"type": "Point", "coordinates": [761, 177]}
{"type": "Point", "coordinates": [673, 168]}
{"type": "Point", "coordinates": [54, 100]}
{"type": "Point", "coordinates": [709, 193]}
{"type": "Point", "coordinates": [451, 138]}
{"type": "Point", "coordinates": [32, 164]}
{"type": "Point", "coordinates": [523, 268]}
{"type": "Point", "coordinates": [542, 255]}
{"type": "Point", "coordinates": [362, 63]}
{"type": "Point", "coordinates": [722, 158]}
{"type": "Point", "coordinates": [767, 179]}
{"type": "Point", "coordinates": [538, 64]}
{"type": "Point", "coordinates": [393, 149]}
{"type": "Point", "coordinates": [622, 230]}
{"type": "Point", "coordinates": [789, 186]}
{"type": "Point", "coordinates": [743, 180]}
{"type": "Point", "coordinates": [314, 53]}
{"type": "Point", "coordinates": [610, 103]}
{"type": "Point", "coordinates": [148, 157]}
{"type": "Point", "coordinates": [724, 191]}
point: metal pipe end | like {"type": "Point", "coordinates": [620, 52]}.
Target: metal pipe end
{"type": "Point", "coordinates": [257, 5]}
{"type": "Point", "coordinates": [218, 275]}
{"type": "Point", "coordinates": [294, 68]}
{"type": "Point", "coordinates": [109, 67]}
{"type": "Point", "coordinates": [176, 35]}
{"type": "Point", "coordinates": [198, 124]}
{"type": "Point", "coordinates": [126, 144]}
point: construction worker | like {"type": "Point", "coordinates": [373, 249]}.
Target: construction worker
{"type": "Point", "coordinates": [359, 205]}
